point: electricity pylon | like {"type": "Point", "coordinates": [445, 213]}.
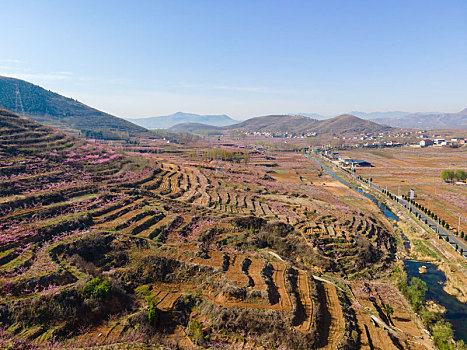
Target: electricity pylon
{"type": "Point", "coordinates": [19, 109]}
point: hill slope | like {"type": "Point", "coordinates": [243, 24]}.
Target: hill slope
{"type": "Point", "coordinates": [168, 121]}
{"type": "Point", "coordinates": [349, 124]}
{"type": "Point", "coordinates": [429, 121]}
{"type": "Point", "coordinates": [22, 135]}
{"type": "Point", "coordinates": [275, 123]}
{"type": "Point", "coordinates": [196, 128]}
{"type": "Point", "coordinates": [62, 112]}
{"type": "Point", "coordinates": [293, 124]}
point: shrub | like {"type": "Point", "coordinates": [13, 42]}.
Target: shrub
{"type": "Point", "coordinates": [250, 222]}
{"type": "Point", "coordinates": [355, 336]}
{"type": "Point", "coordinates": [190, 301]}
{"type": "Point", "coordinates": [153, 312]}
{"type": "Point", "coordinates": [416, 293]}
{"type": "Point", "coordinates": [442, 334]}
{"type": "Point", "coordinates": [428, 317]}
{"type": "Point", "coordinates": [97, 288]}
{"type": "Point", "coordinates": [92, 247]}
{"type": "Point", "coordinates": [196, 333]}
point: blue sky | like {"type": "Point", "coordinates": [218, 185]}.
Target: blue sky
{"type": "Point", "coordinates": [242, 58]}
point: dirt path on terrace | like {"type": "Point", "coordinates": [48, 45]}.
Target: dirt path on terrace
{"type": "Point", "coordinates": [255, 273]}
{"type": "Point", "coordinates": [305, 297]}
{"type": "Point", "coordinates": [332, 325]}
{"type": "Point", "coordinates": [372, 337]}
{"type": "Point", "coordinates": [168, 301]}
{"type": "Point", "coordinates": [278, 278]}
{"type": "Point", "coordinates": [234, 273]}
{"type": "Point", "coordinates": [180, 337]}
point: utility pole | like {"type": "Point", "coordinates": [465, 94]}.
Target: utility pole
{"type": "Point", "coordinates": [459, 226]}
{"type": "Point", "coordinates": [222, 164]}
{"type": "Point", "coordinates": [437, 227]}
{"type": "Point", "coordinates": [218, 139]}
{"type": "Point", "coordinates": [208, 158]}
{"type": "Point", "coordinates": [218, 150]}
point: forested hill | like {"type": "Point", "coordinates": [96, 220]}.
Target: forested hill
{"type": "Point", "coordinates": [62, 112]}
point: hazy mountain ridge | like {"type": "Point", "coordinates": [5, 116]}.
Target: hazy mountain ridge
{"type": "Point", "coordinates": [363, 115]}
{"type": "Point", "coordinates": [55, 110]}
{"type": "Point", "coordinates": [379, 115]}
{"type": "Point", "coordinates": [165, 122]}
{"type": "Point", "coordinates": [429, 121]}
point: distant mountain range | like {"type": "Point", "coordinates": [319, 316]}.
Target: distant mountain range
{"type": "Point", "coordinates": [405, 120]}
{"type": "Point", "coordinates": [165, 122]}
{"type": "Point", "coordinates": [428, 121]}
{"type": "Point", "coordinates": [68, 114]}
{"type": "Point", "coordinates": [344, 124]}
{"type": "Point", "coordinates": [379, 115]}
{"type": "Point", "coordinates": [363, 115]}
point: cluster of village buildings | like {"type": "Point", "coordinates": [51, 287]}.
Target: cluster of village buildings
{"type": "Point", "coordinates": [346, 162]}
{"type": "Point", "coordinates": [441, 142]}
{"type": "Point", "coordinates": [282, 135]}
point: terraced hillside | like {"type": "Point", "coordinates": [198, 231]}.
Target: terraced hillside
{"type": "Point", "coordinates": [98, 247]}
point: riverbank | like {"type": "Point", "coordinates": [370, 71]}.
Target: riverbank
{"type": "Point", "coordinates": [453, 310]}
{"type": "Point", "coordinates": [424, 245]}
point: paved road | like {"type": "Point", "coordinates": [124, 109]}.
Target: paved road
{"type": "Point", "coordinates": [453, 239]}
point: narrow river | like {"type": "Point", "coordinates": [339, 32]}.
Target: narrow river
{"type": "Point", "coordinates": [456, 312]}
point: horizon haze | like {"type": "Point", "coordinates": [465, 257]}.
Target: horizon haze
{"type": "Point", "coordinates": [242, 59]}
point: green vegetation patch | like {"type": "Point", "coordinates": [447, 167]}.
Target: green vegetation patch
{"type": "Point", "coordinates": [423, 249]}
{"type": "Point", "coordinates": [97, 289]}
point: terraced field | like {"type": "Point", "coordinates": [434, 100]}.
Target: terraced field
{"type": "Point", "coordinates": [102, 247]}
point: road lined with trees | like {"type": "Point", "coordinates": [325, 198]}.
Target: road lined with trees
{"type": "Point", "coordinates": [410, 205]}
